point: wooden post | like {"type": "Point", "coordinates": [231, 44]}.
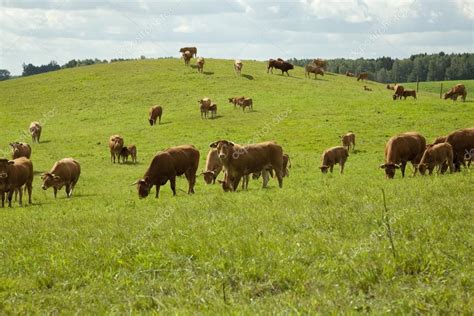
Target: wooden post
{"type": "Point", "coordinates": [417, 84]}
{"type": "Point", "coordinates": [441, 91]}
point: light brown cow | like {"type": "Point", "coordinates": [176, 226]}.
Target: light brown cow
{"type": "Point", "coordinates": [398, 92]}
{"type": "Point", "coordinates": [238, 66]}
{"type": "Point", "coordinates": [332, 156]}
{"type": "Point", "coordinates": [130, 150]}
{"type": "Point", "coordinates": [192, 50]}
{"type": "Point", "coordinates": [200, 64]}
{"type": "Point", "coordinates": [462, 142]}
{"type": "Point", "coordinates": [240, 161]}
{"type": "Point", "coordinates": [65, 172]}
{"type": "Point", "coordinates": [20, 150]}
{"type": "Point", "coordinates": [167, 165]}
{"type": "Point", "coordinates": [213, 167]}
{"type": "Point", "coordinates": [312, 68]}
{"type": "Point", "coordinates": [409, 93]}
{"type": "Point", "coordinates": [286, 168]}
{"type": "Point", "coordinates": [235, 100]}
{"type": "Point", "coordinates": [455, 92]}
{"type": "Point", "coordinates": [115, 146]}
{"type": "Point", "coordinates": [213, 110]}
{"type": "Point", "coordinates": [403, 148]}
{"type": "Point", "coordinates": [436, 155]}
{"type": "Point", "coordinates": [187, 57]}
{"type": "Point", "coordinates": [35, 131]}
{"type": "Point", "coordinates": [14, 174]}
{"type": "Point", "coordinates": [245, 102]}
{"type": "Point", "coordinates": [205, 105]}
{"type": "Point", "coordinates": [348, 140]}
{"type": "Point", "coordinates": [363, 76]}
{"type": "Point", "coordinates": [154, 114]}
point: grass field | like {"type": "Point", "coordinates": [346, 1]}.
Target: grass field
{"type": "Point", "coordinates": [319, 245]}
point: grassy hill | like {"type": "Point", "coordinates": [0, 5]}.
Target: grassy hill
{"type": "Point", "coordinates": [434, 86]}
{"type": "Point", "coordinates": [318, 245]}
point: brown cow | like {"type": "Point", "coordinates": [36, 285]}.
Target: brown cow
{"type": "Point", "coordinates": [439, 140]}
{"type": "Point", "coordinates": [241, 161]}
{"type": "Point", "coordinates": [155, 113]}
{"type": "Point", "coordinates": [436, 155]}
{"type": "Point", "coordinates": [279, 64]}
{"type": "Point", "coordinates": [320, 63]}
{"type": "Point", "coordinates": [462, 142]}
{"type": "Point", "coordinates": [130, 150]}
{"type": "Point", "coordinates": [187, 57]}
{"type": "Point", "coordinates": [398, 92]}
{"type": "Point", "coordinates": [286, 168]}
{"type": "Point", "coordinates": [455, 92]}
{"type": "Point", "coordinates": [367, 88]}
{"type": "Point", "coordinates": [205, 105]}
{"type": "Point", "coordinates": [363, 76]}
{"type": "Point", "coordinates": [213, 167]}
{"type": "Point", "coordinates": [349, 74]}
{"type": "Point", "coordinates": [311, 68]}
{"type": "Point", "coordinates": [409, 93]}
{"type": "Point", "coordinates": [389, 87]}
{"type": "Point", "coordinates": [192, 50]}
{"type": "Point", "coordinates": [245, 102]}
{"type": "Point", "coordinates": [20, 150]}
{"type": "Point", "coordinates": [400, 149]}
{"type": "Point", "coordinates": [14, 174]}
{"type": "Point", "coordinates": [167, 165]}
{"type": "Point", "coordinates": [65, 172]}
{"type": "Point", "coordinates": [235, 100]}
{"type": "Point", "coordinates": [348, 140]}
{"type": "Point", "coordinates": [35, 131]}
{"type": "Point", "coordinates": [332, 156]}
{"type": "Point", "coordinates": [115, 146]}
{"type": "Point", "coordinates": [200, 64]}
{"type": "Point", "coordinates": [213, 110]}
{"type": "Point", "coordinates": [238, 66]}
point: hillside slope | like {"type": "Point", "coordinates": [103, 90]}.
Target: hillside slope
{"type": "Point", "coordinates": [318, 244]}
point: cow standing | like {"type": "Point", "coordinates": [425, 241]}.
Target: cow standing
{"type": "Point", "coordinates": [205, 105]}
{"type": "Point", "coordinates": [115, 146]}
{"type": "Point", "coordinates": [311, 68]}
{"type": "Point", "coordinates": [35, 131]}
{"type": "Point", "coordinates": [14, 174]}
{"type": "Point", "coordinates": [333, 156]}
{"type": "Point", "coordinates": [455, 92]}
{"type": "Point", "coordinates": [155, 113]}
{"type": "Point", "coordinates": [20, 150]}
{"type": "Point", "coordinates": [65, 172]}
{"type": "Point", "coordinates": [436, 155]}
{"type": "Point", "coordinates": [238, 66]}
{"type": "Point", "coordinates": [348, 140]}
{"type": "Point", "coordinates": [279, 64]}
{"type": "Point", "coordinates": [200, 64]}
{"type": "Point", "coordinates": [191, 50]}
{"type": "Point", "coordinates": [363, 76]}
{"type": "Point", "coordinates": [187, 57]}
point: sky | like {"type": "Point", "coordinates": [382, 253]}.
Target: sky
{"type": "Point", "coordinates": [38, 31]}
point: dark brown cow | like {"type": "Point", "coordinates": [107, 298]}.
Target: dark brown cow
{"type": "Point", "coordinates": [279, 64]}
{"type": "Point", "coordinates": [439, 140]}
{"type": "Point", "coordinates": [192, 50]}
{"type": "Point", "coordinates": [462, 142]}
{"type": "Point", "coordinates": [65, 172]}
{"type": "Point", "coordinates": [213, 167]}
{"type": "Point", "coordinates": [436, 155]}
{"type": "Point", "coordinates": [245, 102]}
{"type": "Point", "coordinates": [455, 92]}
{"type": "Point", "coordinates": [35, 131]}
{"type": "Point", "coordinates": [115, 146]}
{"type": "Point", "coordinates": [14, 174]}
{"type": "Point", "coordinates": [348, 140]}
{"type": "Point", "coordinates": [200, 64]}
{"type": "Point", "coordinates": [363, 76]}
{"type": "Point", "coordinates": [166, 166]}
{"type": "Point", "coordinates": [187, 57]}
{"type": "Point", "coordinates": [20, 150]}
{"type": "Point", "coordinates": [400, 149]}
{"type": "Point", "coordinates": [409, 93]}
{"type": "Point", "coordinates": [240, 161]}
{"type": "Point", "coordinates": [332, 156]}
{"type": "Point", "coordinates": [155, 113]}
{"type": "Point", "coordinates": [130, 150]}
{"type": "Point", "coordinates": [398, 92]}
{"type": "Point", "coordinates": [311, 68]}
{"type": "Point", "coordinates": [235, 100]}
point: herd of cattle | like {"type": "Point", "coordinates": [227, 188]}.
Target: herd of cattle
{"type": "Point", "coordinates": [239, 162]}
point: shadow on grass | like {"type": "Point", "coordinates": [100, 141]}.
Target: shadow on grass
{"type": "Point", "coordinates": [44, 141]}
{"type": "Point", "coordinates": [208, 73]}
{"type": "Point", "coordinates": [164, 123]}
{"type": "Point", "coordinates": [249, 77]}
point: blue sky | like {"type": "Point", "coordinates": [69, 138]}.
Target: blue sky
{"type": "Point", "coordinates": [36, 31]}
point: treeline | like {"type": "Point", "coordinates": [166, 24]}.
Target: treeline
{"type": "Point", "coordinates": [422, 67]}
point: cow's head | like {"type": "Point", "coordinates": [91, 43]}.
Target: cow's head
{"type": "Point", "coordinates": [4, 167]}
{"type": "Point", "coordinates": [324, 168]}
{"type": "Point", "coordinates": [208, 176]}
{"type": "Point", "coordinates": [447, 95]}
{"type": "Point", "coordinates": [151, 121]}
{"type": "Point", "coordinates": [390, 168]}
{"type": "Point", "coordinates": [422, 168]}
{"type": "Point", "coordinates": [226, 185]}
{"type": "Point", "coordinates": [51, 180]}
{"type": "Point", "coordinates": [231, 100]}
{"type": "Point", "coordinates": [224, 148]}
{"type": "Point", "coordinates": [394, 97]}
{"type": "Point", "coordinates": [143, 187]}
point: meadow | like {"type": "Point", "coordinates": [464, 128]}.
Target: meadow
{"type": "Point", "coordinates": [321, 244]}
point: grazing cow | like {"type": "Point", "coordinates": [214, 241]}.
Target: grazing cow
{"type": "Point", "coordinates": [245, 102]}
{"type": "Point", "coordinates": [238, 66]}
{"type": "Point", "coordinates": [367, 88]}
{"type": "Point", "coordinates": [213, 110]}
{"type": "Point", "coordinates": [235, 100]}
{"type": "Point", "coordinates": [286, 168]}
{"type": "Point", "coordinates": [115, 146]}
{"type": "Point", "coordinates": [389, 87]}
{"type": "Point", "coordinates": [311, 68]}
{"type": "Point", "coordinates": [400, 149]}
{"type": "Point", "coordinates": [398, 92]}
{"type": "Point", "coordinates": [167, 165]}
{"type": "Point", "coordinates": [35, 131]}
{"type": "Point", "coordinates": [332, 156]}
{"type": "Point", "coordinates": [409, 93]}
{"type": "Point", "coordinates": [155, 113]}
{"type": "Point", "coordinates": [279, 64]}
{"type": "Point", "coordinates": [462, 142]}
{"type": "Point", "coordinates": [455, 92]}
{"type": "Point", "coordinates": [349, 74]}
{"type": "Point", "coordinates": [436, 155]}
{"type": "Point", "coordinates": [65, 172]}
{"type": "Point", "coordinates": [187, 57]}
{"type": "Point", "coordinates": [439, 140]}
{"type": "Point", "coordinates": [363, 76]}
{"type": "Point", "coordinates": [348, 140]}
{"type": "Point", "coordinates": [213, 167]}
{"type": "Point", "coordinates": [191, 50]}
{"type": "Point", "coordinates": [205, 105]}
{"type": "Point", "coordinates": [14, 174]}
{"type": "Point", "coordinates": [240, 161]}
{"type": "Point", "coordinates": [20, 150]}
{"type": "Point", "coordinates": [130, 150]}
{"type": "Point", "coordinates": [200, 64]}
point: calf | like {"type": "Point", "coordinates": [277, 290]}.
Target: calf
{"type": "Point", "coordinates": [130, 150]}
{"type": "Point", "coordinates": [213, 167]}
{"type": "Point", "coordinates": [35, 131]}
{"type": "Point", "coordinates": [200, 64]}
{"type": "Point", "coordinates": [235, 100]}
{"type": "Point", "coordinates": [348, 140]}
{"type": "Point", "coordinates": [115, 146]}
{"type": "Point", "coordinates": [238, 66]}
{"type": "Point", "coordinates": [154, 114]}
{"type": "Point", "coordinates": [332, 156]}
{"type": "Point", "coordinates": [20, 150]}
{"type": "Point", "coordinates": [213, 110]}
{"type": "Point", "coordinates": [166, 166]}
{"type": "Point", "coordinates": [205, 105]}
{"type": "Point", "coordinates": [400, 149]}
{"type": "Point", "coordinates": [286, 168]}
{"type": "Point", "coordinates": [65, 172]}
{"type": "Point", "coordinates": [409, 93]}
{"type": "Point", "coordinates": [14, 174]}
{"type": "Point", "coordinates": [436, 155]}
{"type": "Point", "coordinates": [187, 57]}
{"type": "Point", "coordinates": [245, 102]}
{"type": "Point", "coordinates": [311, 68]}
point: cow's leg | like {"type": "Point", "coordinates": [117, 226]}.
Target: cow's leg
{"type": "Point", "coordinates": [157, 194]}
{"type": "Point", "coordinates": [173, 184]}
{"type": "Point", "coordinates": [342, 166]}
{"type": "Point", "coordinates": [236, 182]}
{"type": "Point", "coordinates": [3, 199]}
{"type": "Point", "coordinates": [10, 195]}
{"type": "Point", "coordinates": [402, 168]}
{"type": "Point", "coordinates": [331, 167]}
{"type": "Point", "coordinates": [68, 190]}
{"type": "Point", "coordinates": [29, 189]}
{"type": "Point", "coordinates": [265, 177]}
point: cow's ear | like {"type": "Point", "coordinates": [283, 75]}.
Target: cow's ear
{"type": "Point", "coordinates": [383, 166]}
{"type": "Point", "coordinates": [231, 143]}
{"type": "Point", "coordinates": [11, 162]}
{"type": "Point", "coordinates": [397, 166]}
{"type": "Point", "coordinates": [214, 144]}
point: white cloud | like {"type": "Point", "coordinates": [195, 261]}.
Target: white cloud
{"type": "Point", "coordinates": [466, 7]}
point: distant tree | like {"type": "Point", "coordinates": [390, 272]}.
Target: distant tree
{"type": "Point", "coordinates": [4, 74]}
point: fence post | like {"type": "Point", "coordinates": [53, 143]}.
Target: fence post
{"type": "Point", "coordinates": [417, 84]}
{"type": "Point", "coordinates": [441, 91]}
